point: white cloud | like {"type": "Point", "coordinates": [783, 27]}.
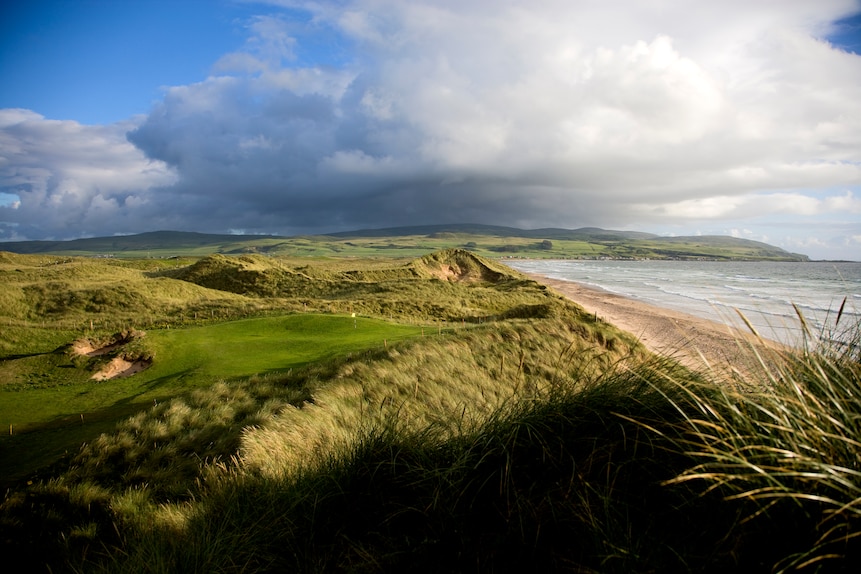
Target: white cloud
{"type": "Point", "coordinates": [68, 176]}
{"type": "Point", "coordinates": [753, 205]}
{"type": "Point", "coordinates": [554, 112]}
{"type": "Point", "coordinates": [269, 46]}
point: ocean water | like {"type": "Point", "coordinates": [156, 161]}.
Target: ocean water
{"type": "Point", "coordinates": [767, 293]}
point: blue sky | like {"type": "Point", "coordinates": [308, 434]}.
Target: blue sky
{"type": "Point", "coordinates": [99, 62]}
{"type": "Point", "coordinates": [290, 116]}
{"type": "Point", "coordinates": [103, 61]}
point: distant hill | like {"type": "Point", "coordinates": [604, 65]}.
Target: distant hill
{"type": "Point", "coordinates": [486, 240]}
{"type": "Point", "coordinates": [155, 240]}
{"type": "Point", "coordinates": [584, 233]}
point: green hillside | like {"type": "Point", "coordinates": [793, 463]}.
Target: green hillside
{"type": "Point", "coordinates": [485, 240]}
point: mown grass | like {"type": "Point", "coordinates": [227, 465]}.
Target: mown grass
{"type": "Point", "coordinates": [190, 310]}
{"type": "Point", "coordinates": [46, 400]}
{"type": "Point", "coordinates": [539, 439]}
{"type": "Point", "coordinates": [39, 389]}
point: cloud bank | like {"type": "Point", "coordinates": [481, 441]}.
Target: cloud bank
{"type": "Point", "coordinates": [555, 113]}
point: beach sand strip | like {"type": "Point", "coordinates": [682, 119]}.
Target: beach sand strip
{"type": "Point", "coordinates": [697, 343]}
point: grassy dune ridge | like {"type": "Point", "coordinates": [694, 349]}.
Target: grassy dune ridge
{"type": "Point", "coordinates": [506, 431]}
{"type": "Point", "coordinates": [200, 334]}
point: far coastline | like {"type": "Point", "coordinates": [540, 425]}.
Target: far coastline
{"type": "Point", "coordinates": [697, 343]}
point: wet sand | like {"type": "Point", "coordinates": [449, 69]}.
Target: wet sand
{"type": "Point", "coordinates": [695, 342]}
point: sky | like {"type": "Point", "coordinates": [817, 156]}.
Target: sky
{"type": "Point", "coordinates": [676, 117]}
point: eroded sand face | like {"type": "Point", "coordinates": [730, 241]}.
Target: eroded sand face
{"type": "Point", "coordinates": [119, 367]}
{"type": "Point", "coordinates": [86, 347]}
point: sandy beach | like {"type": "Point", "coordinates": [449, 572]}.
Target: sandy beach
{"type": "Point", "coordinates": [697, 343]}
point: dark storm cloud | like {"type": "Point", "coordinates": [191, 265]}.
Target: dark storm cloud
{"type": "Point", "coordinates": [520, 113]}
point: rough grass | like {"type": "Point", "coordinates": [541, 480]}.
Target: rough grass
{"type": "Point", "coordinates": [642, 468]}
{"type": "Point", "coordinates": [791, 452]}
{"type": "Point", "coordinates": [538, 439]}
{"type": "Point", "coordinates": [604, 475]}
{"type": "Point", "coordinates": [164, 454]}
{"type": "Point", "coordinates": [607, 464]}
{"type": "Point", "coordinates": [456, 380]}
{"type": "Point", "coordinates": [198, 334]}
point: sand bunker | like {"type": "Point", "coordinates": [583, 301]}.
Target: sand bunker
{"type": "Point", "coordinates": [86, 347]}
{"type": "Point", "coordinates": [121, 368]}
{"type": "Point", "coordinates": [118, 367]}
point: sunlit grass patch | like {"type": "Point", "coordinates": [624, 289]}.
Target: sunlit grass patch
{"type": "Point", "coordinates": [450, 381]}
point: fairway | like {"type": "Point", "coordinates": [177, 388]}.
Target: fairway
{"type": "Point", "coordinates": [199, 356]}
{"type": "Point", "coordinates": [43, 422]}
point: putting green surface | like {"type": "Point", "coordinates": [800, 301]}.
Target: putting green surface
{"type": "Point", "coordinates": [253, 346]}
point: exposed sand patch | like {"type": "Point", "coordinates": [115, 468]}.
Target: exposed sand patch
{"type": "Point", "coordinates": [450, 273]}
{"type": "Point", "coordinates": [118, 366]}
{"type": "Point", "coordinates": [456, 273]}
{"type": "Point", "coordinates": [457, 265]}
{"type": "Point", "coordinates": [121, 368]}
{"type": "Point", "coordinates": [86, 347]}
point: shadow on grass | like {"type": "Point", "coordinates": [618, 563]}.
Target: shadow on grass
{"type": "Point", "coordinates": [37, 450]}
{"type": "Point", "coordinates": [41, 450]}
{"type": "Point", "coordinates": [24, 356]}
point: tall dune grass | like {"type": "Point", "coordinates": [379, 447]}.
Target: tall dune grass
{"type": "Point", "coordinates": [559, 482]}
{"type": "Point", "coordinates": [456, 381]}
{"type": "Point", "coordinates": [791, 451]}
{"type": "Point", "coordinates": [542, 440]}
{"type": "Point", "coordinates": [637, 466]}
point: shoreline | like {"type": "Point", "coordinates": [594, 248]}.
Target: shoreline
{"type": "Point", "coordinates": [700, 344]}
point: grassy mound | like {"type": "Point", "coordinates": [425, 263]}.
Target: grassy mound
{"type": "Point", "coordinates": [452, 285]}
{"type": "Point", "coordinates": [265, 276]}
{"type": "Point", "coordinates": [505, 431]}
{"type": "Point", "coordinates": [248, 275]}
{"type": "Point", "coordinates": [49, 301]}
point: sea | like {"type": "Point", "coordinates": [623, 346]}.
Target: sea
{"type": "Point", "coordinates": [770, 295]}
